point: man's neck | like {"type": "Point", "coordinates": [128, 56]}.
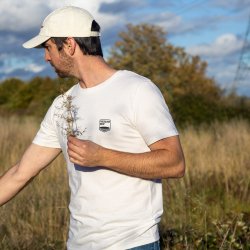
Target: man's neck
{"type": "Point", "coordinates": [92, 71]}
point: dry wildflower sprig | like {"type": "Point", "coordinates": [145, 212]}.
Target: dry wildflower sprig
{"type": "Point", "coordinates": [68, 113]}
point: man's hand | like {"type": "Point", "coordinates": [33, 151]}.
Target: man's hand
{"type": "Point", "coordinates": [84, 152]}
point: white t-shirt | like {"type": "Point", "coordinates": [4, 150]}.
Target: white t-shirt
{"type": "Point", "coordinates": [109, 210]}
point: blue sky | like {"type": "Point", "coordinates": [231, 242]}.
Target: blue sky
{"type": "Point", "coordinates": [214, 30]}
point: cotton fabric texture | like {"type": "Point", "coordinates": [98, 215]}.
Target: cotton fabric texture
{"type": "Point", "coordinates": [109, 210]}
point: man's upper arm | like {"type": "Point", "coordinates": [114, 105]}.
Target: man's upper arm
{"type": "Point", "coordinates": [172, 155]}
{"type": "Point", "coordinates": [35, 159]}
{"type": "Point", "coordinates": [171, 143]}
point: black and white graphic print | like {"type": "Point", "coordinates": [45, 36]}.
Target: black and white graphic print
{"type": "Point", "coordinates": [104, 125]}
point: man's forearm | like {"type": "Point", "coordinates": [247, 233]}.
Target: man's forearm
{"type": "Point", "coordinates": [10, 184]}
{"type": "Point", "coordinates": [150, 165]}
{"type": "Point", "coordinates": [33, 161]}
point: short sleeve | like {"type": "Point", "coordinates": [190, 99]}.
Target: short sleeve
{"type": "Point", "coordinates": [151, 114]}
{"type": "Point", "coordinates": [47, 134]}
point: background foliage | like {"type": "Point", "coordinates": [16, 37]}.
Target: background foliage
{"type": "Point", "coordinates": [192, 96]}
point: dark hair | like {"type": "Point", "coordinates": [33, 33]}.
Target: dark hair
{"type": "Point", "coordinates": [88, 45]}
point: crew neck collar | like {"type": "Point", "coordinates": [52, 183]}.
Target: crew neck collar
{"type": "Point", "coordinates": [99, 85]}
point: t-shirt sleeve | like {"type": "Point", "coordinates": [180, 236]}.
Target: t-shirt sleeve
{"type": "Point", "coordinates": [152, 117]}
{"type": "Point", "coordinates": [47, 135]}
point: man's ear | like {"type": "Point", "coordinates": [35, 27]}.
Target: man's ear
{"type": "Point", "coordinates": [70, 45]}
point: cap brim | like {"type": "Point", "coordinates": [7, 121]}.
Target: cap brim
{"type": "Point", "coordinates": [35, 42]}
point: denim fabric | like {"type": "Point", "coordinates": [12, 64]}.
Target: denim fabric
{"type": "Point", "coordinates": [150, 246]}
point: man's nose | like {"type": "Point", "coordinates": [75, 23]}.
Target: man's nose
{"type": "Point", "coordinates": [46, 56]}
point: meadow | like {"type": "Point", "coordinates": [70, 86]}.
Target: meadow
{"type": "Point", "coordinates": [207, 209]}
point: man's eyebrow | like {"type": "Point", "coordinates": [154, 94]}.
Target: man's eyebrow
{"type": "Point", "coordinates": [46, 45]}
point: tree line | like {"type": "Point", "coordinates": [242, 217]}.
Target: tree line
{"type": "Point", "coordinates": [191, 95]}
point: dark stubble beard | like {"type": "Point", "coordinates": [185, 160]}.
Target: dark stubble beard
{"type": "Point", "coordinates": [64, 69]}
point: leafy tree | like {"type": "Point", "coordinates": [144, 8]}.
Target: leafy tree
{"type": "Point", "coordinates": [8, 88]}
{"type": "Point", "coordinates": [144, 49]}
{"type": "Point", "coordinates": [46, 91]}
{"type": "Point", "coordinates": [22, 99]}
{"type": "Point", "coordinates": [33, 97]}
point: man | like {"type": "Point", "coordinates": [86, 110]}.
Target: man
{"type": "Point", "coordinates": [117, 137]}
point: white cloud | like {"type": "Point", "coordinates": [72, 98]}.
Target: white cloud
{"type": "Point", "coordinates": [21, 15]}
{"type": "Point", "coordinates": [169, 21]}
{"type": "Point", "coordinates": [225, 76]}
{"type": "Point", "coordinates": [222, 58]}
{"type": "Point", "coordinates": [34, 68]}
{"type": "Point", "coordinates": [13, 63]}
{"type": "Point", "coordinates": [223, 73]}
{"type": "Point", "coordinates": [9, 39]}
{"type": "Point", "coordinates": [24, 15]}
{"type": "Point", "coordinates": [224, 45]}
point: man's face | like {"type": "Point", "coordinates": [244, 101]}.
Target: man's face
{"type": "Point", "coordinates": [62, 63]}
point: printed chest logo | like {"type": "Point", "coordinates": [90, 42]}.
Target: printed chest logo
{"type": "Point", "coordinates": [104, 125]}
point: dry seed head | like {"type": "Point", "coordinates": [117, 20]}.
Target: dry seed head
{"type": "Point", "coordinates": [68, 114]}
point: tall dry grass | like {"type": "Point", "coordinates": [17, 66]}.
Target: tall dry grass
{"type": "Point", "coordinates": [37, 218]}
{"type": "Point", "coordinates": [207, 209]}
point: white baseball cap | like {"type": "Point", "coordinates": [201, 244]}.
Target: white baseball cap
{"type": "Point", "coordinates": [68, 21]}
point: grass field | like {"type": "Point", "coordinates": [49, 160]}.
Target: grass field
{"type": "Point", "coordinates": [207, 209]}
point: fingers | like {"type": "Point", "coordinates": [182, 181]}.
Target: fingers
{"type": "Point", "coordinates": [77, 145]}
{"type": "Point", "coordinates": [84, 152]}
{"type": "Point", "coordinates": [74, 148]}
{"type": "Point", "coordinates": [73, 140]}
{"type": "Point", "coordinates": [77, 151]}
{"type": "Point", "coordinates": [73, 156]}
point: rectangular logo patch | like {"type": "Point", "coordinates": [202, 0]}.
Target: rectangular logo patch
{"type": "Point", "coordinates": [104, 125]}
